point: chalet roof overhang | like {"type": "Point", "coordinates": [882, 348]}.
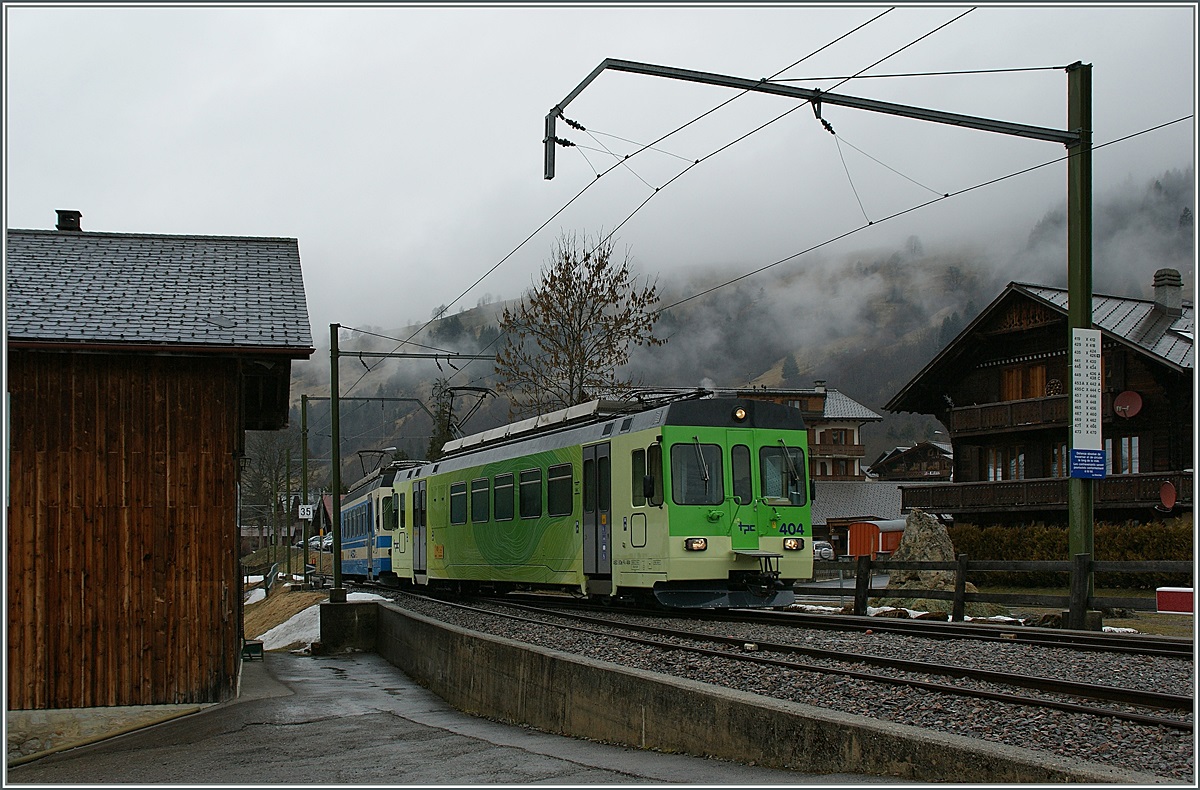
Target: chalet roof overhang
{"type": "Point", "coordinates": [920, 395]}
{"type": "Point", "coordinates": [264, 372]}
{"type": "Point", "coordinates": [98, 347]}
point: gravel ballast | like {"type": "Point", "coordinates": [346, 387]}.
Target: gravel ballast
{"type": "Point", "coordinates": [1164, 752]}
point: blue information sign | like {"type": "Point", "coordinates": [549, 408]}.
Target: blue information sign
{"type": "Point", "coordinates": [1087, 463]}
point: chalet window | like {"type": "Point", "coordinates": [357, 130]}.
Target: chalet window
{"type": "Point", "coordinates": [1059, 461]}
{"type": "Point", "coordinates": [1006, 463]}
{"type": "Point", "coordinates": [1025, 381]}
{"type": "Point", "coordinates": [1122, 455]}
{"type": "Point", "coordinates": [841, 468]}
{"type": "Point", "coordinates": [838, 436]}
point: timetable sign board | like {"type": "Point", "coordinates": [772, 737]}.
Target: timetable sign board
{"type": "Point", "coordinates": [1087, 385]}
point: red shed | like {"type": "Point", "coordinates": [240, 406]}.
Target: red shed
{"type": "Point", "coordinates": [872, 537]}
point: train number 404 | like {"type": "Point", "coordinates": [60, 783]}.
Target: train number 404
{"type": "Point", "coordinates": [791, 529]}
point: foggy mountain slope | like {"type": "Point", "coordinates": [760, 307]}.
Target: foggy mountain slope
{"type": "Point", "coordinates": [863, 320]}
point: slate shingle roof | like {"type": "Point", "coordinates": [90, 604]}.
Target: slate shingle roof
{"type": "Point", "coordinates": [143, 289]}
{"type": "Point", "coordinates": [858, 499]}
{"type": "Point", "coordinates": [841, 407]}
{"type": "Point", "coordinates": [1135, 320]}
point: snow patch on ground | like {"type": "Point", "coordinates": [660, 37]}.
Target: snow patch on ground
{"type": "Point", "coordinates": [255, 595]}
{"type": "Point", "coordinates": [305, 627]}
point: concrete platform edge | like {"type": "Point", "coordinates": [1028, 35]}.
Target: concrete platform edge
{"type": "Point", "coordinates": [565, 694]}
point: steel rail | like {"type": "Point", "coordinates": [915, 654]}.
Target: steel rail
{"type": "Point", "coordinates": [1000, 696]}
{"type": "Point", "coordinates": [1153, 699]}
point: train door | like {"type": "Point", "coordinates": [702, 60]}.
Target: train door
{"type": "Point", "coordinates": [744, 530]}
{"type": "Point", "coordinates": [420, 524]}
{"type": "Point", "coordinates": [597, 511]}
{"type": "Point", "coordinates": [373, 528]}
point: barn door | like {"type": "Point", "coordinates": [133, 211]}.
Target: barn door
{"type": "Point", "coordinates": [420, 523]}
{"type": "Point", "coordinates": [597, 515]}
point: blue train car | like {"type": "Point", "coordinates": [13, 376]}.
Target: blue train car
{"type": "Point", "coordinates": [369, 524]}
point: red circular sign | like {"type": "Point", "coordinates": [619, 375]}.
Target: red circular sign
{"type": "Point", "coordinates": [1127, 404]}
{"type": "Point", "coordinates": [1166, 493]}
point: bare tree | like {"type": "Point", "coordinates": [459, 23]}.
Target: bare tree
{"type": "Point", "coordinates": [568, 338]}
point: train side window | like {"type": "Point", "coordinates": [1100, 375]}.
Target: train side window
{"type": "Point", "coordinates": [654, 468]}
{"type": "Point", "coordinates": [400, 520]}
{"type": "Point", "coordinates": [558, 490]}
{"type": "Point", "coordinates": [503, 497]}
{"type": "Point", "coordinates": [530, 493]}
{"type": "Point", "coordinates": [458, 503]}
{"type": "Point", "coordinates": [479, 499]}
{"type": "Point", "coordinates": [743, 488]}
{"type": "Point", "coordinates": [637, 467]}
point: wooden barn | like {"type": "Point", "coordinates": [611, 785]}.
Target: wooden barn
{"type": "Point", "coordinates": [136, 363]}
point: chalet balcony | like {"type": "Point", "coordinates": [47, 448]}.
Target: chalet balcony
{"type": "Point", "coordinates": [1117, 491]}
{"type": "Point", "coordinates": [837, 450]}
{"type": "Point", "coordinates": [1018, 415]}
{"type": "Point", "coordinates": [1014, 414]}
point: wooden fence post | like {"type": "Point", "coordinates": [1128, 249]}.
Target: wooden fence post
{"type": "Point", "coordinates": [862, 584]}
{"type": "Point", "coordinates": [959, 608]}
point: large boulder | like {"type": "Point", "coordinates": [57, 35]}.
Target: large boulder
{"type": "Point", "coordinates": [925, 539]}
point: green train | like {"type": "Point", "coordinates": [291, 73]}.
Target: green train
{"type": "Point", "coordinates": [693, 502]}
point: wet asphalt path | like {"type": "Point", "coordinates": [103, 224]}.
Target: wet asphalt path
{"type": "Point", "coordinates": [356, 719]}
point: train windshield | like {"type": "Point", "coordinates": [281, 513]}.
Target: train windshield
{"type": "Point", "coordinates": [782, 470]}
{"type": "Point", "coordinates": [697, 477]}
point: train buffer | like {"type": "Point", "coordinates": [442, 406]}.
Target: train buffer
{"type": "Point", "coordinates": [252, 648]}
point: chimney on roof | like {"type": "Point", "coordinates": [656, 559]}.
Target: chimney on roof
{"type": "Point", "coordinates": [68, 219]}
{"type": "Point", "coordinates": [820, 385]}
{"type": "Point", "coordinates": [1168, 291]}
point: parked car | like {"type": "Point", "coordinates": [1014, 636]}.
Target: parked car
{"type": "Point", "coordinates": [314, 543]}
{"type": "Point", "coordinates": [822, 550]}
{"type": "Point", "coordinates": [327, 542]}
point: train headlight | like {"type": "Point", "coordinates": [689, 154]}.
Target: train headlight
{"type": "Point", "coordinates": [739, 414]}
{"type": "Point", "coordinates": [793, 544]}
{"type": "Point", "coordinates": [695, 544]}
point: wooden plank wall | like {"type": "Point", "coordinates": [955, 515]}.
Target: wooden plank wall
{"type": "Point", "coordinates": [122, 530]}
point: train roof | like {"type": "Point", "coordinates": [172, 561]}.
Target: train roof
{"type": "Point", "coordinates": [698, 402]}
{"type": "Point", "coordinates": [383, 476]}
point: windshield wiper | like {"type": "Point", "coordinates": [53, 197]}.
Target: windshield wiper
{"type": "Point", "coordinates": [791, 464]}
{"type": "Point", "coordinates": [700, 457]}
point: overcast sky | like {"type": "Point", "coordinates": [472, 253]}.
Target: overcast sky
{"type": "Point", "coordinates": [402, 146]}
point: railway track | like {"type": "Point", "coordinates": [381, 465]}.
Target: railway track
{"type": "Point", "coordinates": [1082, 698]}
{"type": "Point", "coordinates": [1136, 644]}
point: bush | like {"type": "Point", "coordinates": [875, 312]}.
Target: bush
{"type": "Point", "coordinates": [1128, 542]}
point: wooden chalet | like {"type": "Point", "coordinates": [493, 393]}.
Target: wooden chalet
{"type": "Point", "coordinates": [135, 364]}
{"type": "Point", "coordinates": [923, 461]}
{"type": "Point", "coordinates": [1000, 389]}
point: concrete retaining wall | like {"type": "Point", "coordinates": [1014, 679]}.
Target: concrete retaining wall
{"type": "Point", "coordinates": [566, 694]}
